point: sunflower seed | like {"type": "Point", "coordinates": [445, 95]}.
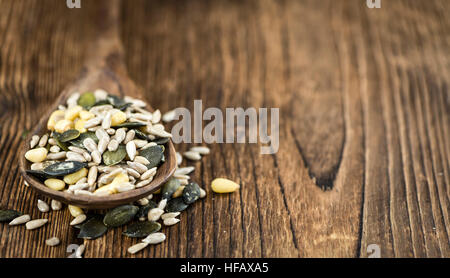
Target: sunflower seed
{"type": "Point", "coordinates": [92, 175]}
{"type": "Point", "coordinates": [43, 206]}
{"type": "Point", "coordinates": [106, 123]}
{"type": "Point", "coordinates": [192, 155]}
{"type": "Point", "coordinates": [100, 94]}
{"type": "Point", "coordinates": [34, 224]}
{"type": "Point", "coordinates": [130, 136]}
{"type": "Point", "coordinates": [124, 187]}
{"type": "Point", "coordinates": [149, 197]}
{"type": "Point", "coordinates": [52, 241]}
{"type": "Point", "coordinates": [181, 177]}
{"type": "Point", "coordinates": [56, 205]}
{"type": "Point", "coordinates": [162, 204]}
{"type": "Point", "coordinates": [52, 141]}
{"type": "Point", "coordinates": [154, 214]}
{"type": "Point", "coordinates": [169, 215]}
{"type": "Point", "coordinates": [108, 178]}
{"type": "Point", "coordinates": [201, 150]}
{"type": "Point", "coordinates": [38, 166]}
{"type": "Point", "coordinates": [133, 173]}
{"type": "Point", "coordinates": [56, 156]}
{"type": "Point", "coordinates": [120, 135]}
{"type": "Point", "coordinates": [80, 251]}
{"type": "Point", "coordinates": [144, 182]}
{"type": "Point", "coordinates": [55, 149]}
{"type": "Point", "coordinates": [142, 202]}
{"type": "Point", "coordinates": [149, 173]}
{"type": "Point", "coordinates": [156, 116]}
{"type": "Point", "coordinates": [142, 160]}
{"type": "Point", "coordinates": [100, 133]}
{"type": "Point", "coordinates": [102, 144]}
{"type": "Point", "coordinates": [169, 116]}
{"type": "Point", "coordinates": [142, 117]}
{"type": "Point", "coordinates": [78, 220]}
{"type": "Point", "coordinates": [202, 193]}
{"type": "Point", "coordinates": [137, 247]}
{"type": "Point", "coordinates": [139, 143]}
{"type": "Point", "coordinates": [140, 168]}
{"type": "Point", "coordinates": [20, 220]}
{"type": "Point", "coordinates": [111, 131]}
{"type": "Point", "coordinates": [179, 158]}
{"type": "Point", "coordinates": [113, 145]}
{"type": "Point", "coordinates": [73, 99]}
{"type": "Point", "coordinates": [34, 141]}
{"type": "Point", "coordinates": [96, 157]}
{"type": "Point", "coordinates": [73, 156]}
{"type": "Point", "coordinates": [155, 238]}
{"type": "Point", "coordinates": [148, 145]}
{"type": "Point", "coordinates": [79, 186]}
{"type": "Point", "coordinates": [171, 221]}
{"type": "Point", "coordinates": [131, 150]}
{"type": "Point", "coordinates": [93, 122]}
{"type": "Point", "coordinates": [82, 192]}
{"type": "Point", "coordinates": [159, 133]}
{"type": "Point", "coordinates": [62, 107]}
{"type": "Point", "coordinates": [90, 144]}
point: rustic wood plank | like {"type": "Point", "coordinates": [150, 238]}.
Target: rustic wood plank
{"type": "Point", "coordinates": [364, 104]}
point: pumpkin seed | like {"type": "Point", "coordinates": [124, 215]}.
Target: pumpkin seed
{"type": "Point", "coordinates": [116, 101]}
{"type": "Point", "coordinates": [131, 125]}
{"type": "Point", "coordinates": [101, 102]}
{"type": "Point", "coordinates": [141, 135]}
{"type": "Point", "coordinates": [176, 205]}
{"type": "Point", "coordinates": [191, 193]}
{"type": "Point", "coordinates": [113, 158]}
{"type": "Point", "coordinates": [120, 215]}
{"type": "Point", "coordinates": [63, 168]}
{"type": "Point", "coordinates": [60, 144]}
{"type": "Point", "coordinates": [83, 136]}
{"type": "Point", "coordinates": [9, 215]}
{"type": "Point", "coordinates": [143, 211]}
{"type": "Point", "coordinates": [142, 229]}
{"type": "Point", "coordinates": [92, 229]}
{"type": "Point", "coordinates": [153, 154]}
{"type": "Point", "coordinates": [169, 188]}
{"type": "Point", "coordinates": [69, 135]}
{"type": "Point", "coordinates": [161, 141]}
{"type": "Point", "coordinates": [38, 174]}
{"type": "Point", "coordinates": [87, 100]}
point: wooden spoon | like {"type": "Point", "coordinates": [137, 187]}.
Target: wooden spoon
{"type": "Point", "coordinates": [104, 68]}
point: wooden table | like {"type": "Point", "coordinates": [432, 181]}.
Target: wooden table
{"type": "Point", "coordinates": [364, 113]}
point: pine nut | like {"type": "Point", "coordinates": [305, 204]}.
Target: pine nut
{"type": "Point", "coordinates": [221, 185]}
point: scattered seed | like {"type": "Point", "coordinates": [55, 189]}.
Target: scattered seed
{"type": "Point", "coordinates": [201, 150]}
{"type": "Point", "coordinates": [169, 116]}
{"type": "Point", "coordinates": [162, 204]}
{"type": "Point", "coordinates": [92, 228]}
{"type": "Point", "coordinates": [120, 216]}
{"type": "Point", "coordinates": [176, 205]}
{"type": "Point", "coordinates": [8, 215]}
{"type": "Point", "coordinates": [184, 171]}
{"type": "Point", "coordinates": [192, 155]}
{"type": "Point", "coordinates": [191, 193]}
{"type": "Point", "coordinates": [171, 221]}
{"type": "Point", "coordinates": [154, 214]}
{"type": "Point", "coordinates": [56, 205]}
{"type": "Point", "coordinates": [155, 238]}
{"type": "Point", "coordinates": [75, 211]}
{"type": "Point", "coordinates": [20, 220]}
{"type": "Point", "coordinates": [142, 202]}
{"type": "Point", "coordinates": [221, 185]}
{"type": "Point", "coordinates": [142, 229]}
{"type": "Point", "coordinates": [78, 220]}
{"type": "Point", "coordinates": [169, 188]}
{"type": "Point", "coordinates": [34, 224]}
{"type": "Point", "coordinates": [179, 158]}
{"type": "Point", "coordinates": [43, 206]}
{"type": "Point", "coordinates": [137, 247]}
{"type": "Point", "coordinates": [52, 241]}
{"type": "Point", "coordinates": [202, 193]}
{"type": "Point", "coordinates": [169, 215]}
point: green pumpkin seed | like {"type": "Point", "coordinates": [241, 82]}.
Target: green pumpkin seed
{"type": "Point", "coordinates": [176, 205]}
{"type": "Point", "coordinates": [8, 215]}
{"type": "Point", "coordinates": [116, 101]}
{"type": "Point", "coordinates": [92, 229]}
{"type": "Point", "coordinates": [101, 102]}
{"type": "Point", "coordinates": [142, 229]}
{"type": "Point", "coordinates": [112, 158]}
{"type": "Point", "coordinates": [79, 141]}
{"type": "Point", "coordinates": [161, 141]}
{"type": "Point", "coordinates": [63, 168]}
{"type": "Point", "coordinates": [60, 144]}
{"type": "Point", "coordinates": [120, 215]}
{"type": "Point", "coordinates": [169, 188]}
{"type": "Point", "coordinates": [153, 155]}
{"type": "Point", "coordinates": [191, 193]}
{"type": "Point", "coordinates": [125, 106]}
{"type": "Point", "coordinates": [71, 134]}
{"type": "Point", "coordinates": [130, 125]}
{"type": "Point", "coordinates": [37, 174]}
{"type": "Point", "coordinates": [141, 135]}
{"type": "Point", "coordinates": [143, 211]}
{"type": "Point", "coordinates": [87, 100]}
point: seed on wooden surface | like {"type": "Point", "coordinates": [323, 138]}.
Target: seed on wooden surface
{"type": "Point", "coordinates": [192, 155]}
{"type": "Point", "coordinates": [78, 220]}
{"type": "Point", "coordinates": [202, 193]}
{"type": "Point", "coordinates": [169, 215]}
{"type": "Point", "coordinates": [179, 158]}
{"type": "Point", "coordinates": [56, 205]}
{"type": "Point", "coordinates": [75, 211]}
{"type": "Point", "coordinates": [43, 206]}
{"type": "Point", "coordinates": [20, 220]}
{"type": "Point", "coordinates": [149, 173]}
{"type": "Point", "coordinates": [169, 188]}
{"type": "Point", "coordinates": [221, 185]}
{"type": "Point", "coordinates": [169, 116]}
{"type": "Point", "coordinates": [92, 228]}
{"type": "Point", "coordinates": [142, 160]}
{"type": "Point", "coordinates": [80, 251]}
{"type": "Point", "coordinates": [142, 229]}
{"type": "Point", "coordinates": [34, 224]}
{"type": "Point", "coordinates": [201, 150]}
{"type": "Point", "coordinates": [36, 155]}
{"type": "Point", "coordinates": [149, 197]}
{"type": "Point", "coordinates": [43, 141]}
{"type": "Point", "coordinates": [171, 221]}
{"type": "Point", "coordinates": [130, 136]}
{"type": "Point", "coordinates": [131, 150]}
{"type": "Point", "coordinates": [191, 193]}
{"type": "Point", "coordinates": [181, 177]}
{"type": "Point", "coordinates": [179, 192]}
{"type": "Point", "coordinates": [120, 216]}
{"type": "Point", "coordinates": [52, 241]}
{"type": "Point", "coordinates": [55, 149]}
{"type": "Point", "coordinates": [57, 156]}
{"type": "Point", "coordinates": [155, 238]}
{"type": "Point", "coordinates": [142, 213]}
{"type": "Point", "coordinates": [140, 168]}
{"type": "Point", "coordinates": [144, 182]}
{"type": "Point", "coordinates": [154, 214]}
{"type": "Point", "coordinates": [156, 116]}
{"type": "Point", "coordinates": [55, 184]}
{"type": "Point", "coordinates": [34, 141]}
{"type": "Point", "coordinates": [162, 204]}
{"type": "Point", "coordinates": [184, 170]}
{"type": "Point", "coordinates": [176, 205]}
{"type": "Point", "coordinates": [137, 247]}
{"type": "Point", "coordinates": [8, 215]}
{"type": "Point", "coordinates": [142, 202]}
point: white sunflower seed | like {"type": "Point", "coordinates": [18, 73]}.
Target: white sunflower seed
{"type": "Point", "coordinates": [103, 144]}
{"type": "Point", "coordinates": [82, 180]}
{"type": "Point", "coordinates": [149, 197]}
{"type": "Point", "coordinates": [90, 144]}
{"type": "Point", "coordinates": [120, 135]}
{"type": "Point", "coordinates": [179, 158]}
{"type": "Point", "coordinates": [130, 136]}
{"type": "Point", "coordinates": [111, 131]}
{"type": "Point", "coordinates": [37, 166]}
{"type": "Point", "coordinates": [192, 155]}
{"type": "Point", "coordinates": [181, 177]}
{"type": "Point", "coordinates": [34, 141]}
{"type": "Point", "coordinates": [142, 117]}
{"type": "Point", "coordinates": [124, 187]}
{"type": "Point", "coordinates": [148, 145]}
{"type": "Point", "coordinates": [144, 182]}
{"type": "Point", "coordinates": [139, 143]}
{"type": "Point", "coordinates": [184, 170]}
{"type": "Point", "coordinates": [171, 221]}
{"type": "Point", "coordinates": [133, 173]}
{"type": "Point", "coordinates": [56, 205]}
{"type": "Point", "coordinates": [154, 214]}
{"type": "Point", "coordinates": [162, 204]}
{"type": "Point", "coordinates": [52, 141]}
{"type": "Point", "coordinates": [92, 175]}
{"type": "Point", "coordinates": [72, 100]}
{"type": "Point", "coordinates": [96, 157]}
{"type": "Point", "coordinates": [159, 133]}
{"type": "Point", "coordinates": [169, 116]}
{"type": "Point", "coordinates": [56, 156]}
{"type": "Point", "coordinates": [156, 116]}
{"type": "Point", "coordinates": [137, 247]}
{"type": "Point", "coordinates": [52, 241]}
{"type": "Point", "coordinates": [55, 149]}
{"type": "Point", "coordinates": [43, 206]}
{"type": "Point", "coordinates": [131, 150]}
{"type": "Point", "coordinates": [20, 220]}
{"type": "Point", "coordinates": [78, 220]}
{"type": "Point", "coordinates": [106, 123]}
{"type": "Point", "coordinates": [34, 224]}
{"type": "Point", "coordinates": [202, 193]}
{"type": "Point", "coordinates": [79, 186]}
{"type": "Point", "coordinates": [93, 122]}
{"type": "Point", "coordinates": [141, 168]}
{"type": "Point", "coordinates": [142, 202]}
{"type": "Point", "coordinates": [113, 145]}
{"type": "Point", "coordinates": [73, 156]}
{"type": "Point", "coordinates": [154, 238]}
{"type": "Point", "coordinates": [82, 192]}
{"type": "Point", "coordinates": [77, 150]}
{"type": "Point", "coordinates": [201, 150]}
{"type": "Point", "coordinates": [62, 107]}
{"type": "Point", "coordinates": [87, 156]}
{"type": "Point", "coordinates": [142, 160]}
{"type": "Point", "coordinates": [169, 215]}
{"type": "Point", "coordinates": [100, 94]}
{"type": "Point", "coordinates": [149, 173]}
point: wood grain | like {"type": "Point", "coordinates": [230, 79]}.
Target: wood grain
{"type": "Point", "coordinates": [364, 104]}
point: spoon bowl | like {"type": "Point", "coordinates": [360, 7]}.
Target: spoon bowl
{"type": "Point", "coordinates": [105, 69]}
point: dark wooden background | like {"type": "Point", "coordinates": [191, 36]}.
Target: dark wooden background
{"type": "Point", "coordinates": [364, 103]}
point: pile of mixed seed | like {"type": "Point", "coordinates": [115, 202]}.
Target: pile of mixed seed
{"type": "Point", "coordinates": [101, 144]}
